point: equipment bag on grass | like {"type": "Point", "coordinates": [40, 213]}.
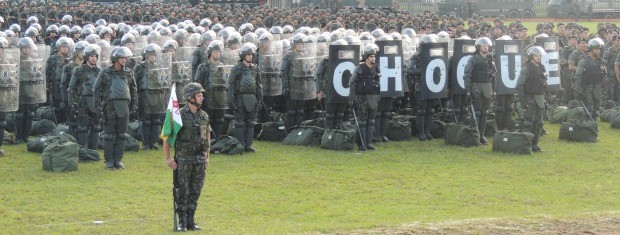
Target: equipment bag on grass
{"type": "Point", "coordinates": [39, 144]}
{"type": "Point", "coordinates": [42, 127]}
{"type": "Point", "coordinates": [461, 135]}
{"type": "Point", "coordinates": [399, 131]}
{"type": "Point", "coordinates": [341, 139]}
{"type": "Point", "coordinates": [579, 131]}
{"type": "Point", "coordinates": [44, 112]}
{"type": "Point", "coordinates": [61, 155]}
{"type": "Point", "coordinates": [131, 144]}
{"type": "Point", "coordinates": [557, 114]}
{"type": "Point", "coordinates": [9, 138]}
{"type": "Point", "coordinates": [318, 122]}
{"type": "Point", "coordinates": [272, 131]}
{"type": "Point", "coordinates": [88, 155]}
{"type": "Point", "coordinates": [513, 142]}
{"type": "Point", "coordinates": [305, 136]}
{"type": "Point", "coordinates": [438, 129]}
{"type": "Point", "coordinates": [608, 114]}
{"type": "Point", "coordinates": [227, 145]}
{"type": "Point", "coordinates": [615, 121]}
{"type": "Point", "coordinates": [577, 113]}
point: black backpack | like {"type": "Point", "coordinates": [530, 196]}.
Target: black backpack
{"type": "Point", "coordinates": [272, 131]}
{"type": "Point", "coordinates": [513, 142]}
{"type": "Point", "coordinates": [226, 144]}
{"type": "Point", "coordinates": [340, 139]}
{"type": "Point", "coordinates": [399, 131]}
{"type": "Point", "coordinates": [305, 136]}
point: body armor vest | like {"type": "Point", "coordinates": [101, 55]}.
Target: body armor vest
{"type": "Point", "coordinates": [593, 75]}
{"type": "Point", "coordinates": [536, 83]}
{"type": "Point", "coordinates": [216, 87]}
{"type": "Point", "coordinates": [482, 73]}
{"type": "Point", "coordinates": [119, 86]}
{"type": "Point", "coordinates": [368, 83]}
{"type": "Point", "coordinates": [191, 144]}
{"type": "Point", "coordinates": [86, 78]}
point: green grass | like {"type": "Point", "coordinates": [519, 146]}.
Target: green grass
{"type": "Point", "coordinates": [284, 189]}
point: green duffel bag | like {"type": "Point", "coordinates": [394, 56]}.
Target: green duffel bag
{"type": "Point", "coordinates": [340, 139]}
{"type": "Point", "coordinates": [608, 114]}
{"type": "Point", "coordinates": [44, 112]}
{"type": "Point", "coordinates": [60, 130]}
{"type": "Point", "coordinates": [491, 128]}
{"type": "Point", "coordinates": [615, 121]}
{"type": "Point", "coordinates": [577, 113]}
{"type": "Point", "coordinates": [228, 145]}
{"type": "Point", "coordinates": [579, 131]}
{"type": "Point", "coordinates": [9, 138]}
{"type": "Point", "coordinates": [42, 127]}
{"type": "Point", "coordinates": [558, 114]}
{"type": "Point", "coordinates": [513, 142]}
{"type": "Point", "coordinates": [39, 144]}
{"type": "Point", "coordinates": [60, 156]}
{"type": "Point", "coordinates": [461, 135]}
{"type": "Point", "coordinates": [304, 136]}
{"type": "Point", "coordinates": [318, 122]}
{"type": "Point", "coordinates": [438, 129]}
{"type": "Point", "coordinates": [399, 131]}
{"type": "Point", "coordinates": [272, 131]}
{"type": "Point", "coordinates": [407, 118]}
{"type": "Point", "coordinates": [88, 155]}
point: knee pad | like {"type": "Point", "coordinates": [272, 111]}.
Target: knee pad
{"type": "Point", "coordinates": [371, 122]}
{"type": "Point", "coordinates": [340, 115]}
{"type": "Point", "coordinates": [108, 137]}
{"type": "Point", "coordinates": [29, 114]}
{"type": "Point", "coordinates": [19, 115]}
{"type": "Point", "coordinates": [121, 136]}
{"type": "Point", "coordinates": [237, 124]}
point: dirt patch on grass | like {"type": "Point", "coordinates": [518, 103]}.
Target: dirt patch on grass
{"type": "Point", "coordinates": [608, 223]}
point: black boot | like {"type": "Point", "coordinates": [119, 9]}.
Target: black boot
{"type": "Point", "coordinates": [362, 129]}
{"type": "Point", "coordinates": [191, 225]}
{"type": "Point", "coordinates": [155, 132]}
{"type": "Point", "coordinates": [420, 127]}
{"type": "Point", "coordinates": [384, 126]}
{"type": "Point", "coordinates": [370, 129]}
{"type": "Point", "coordinates": [119, 150]}
{"type": "Point", "coordinates": [146, 135]}
{"type": "Point", "coordinates": [182, 226]}
{"type": "Point", "coordinates": [428, 123]}
{"type": "Point", "coordinates": [249, 136]}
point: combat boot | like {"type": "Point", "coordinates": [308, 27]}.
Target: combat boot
{"type": "Point", "coordinates": [155, 136]}
{"type": "Point", "coordinates": [249, 137]}
{"type": "Point", "coordinates": [384, 127]}
{"type": "Point", "coordinates": [428, 123]}
{"type": "Point", "coordinates": [369, 136]}
{"type": "Point", "coordinates": [182, 227]}
{"type": "Point", "coordinates": [191, 225]}
{"type": "Point", "coordinates": [420, 127]}
{"type": "Point", "coordinates": [535, 148]}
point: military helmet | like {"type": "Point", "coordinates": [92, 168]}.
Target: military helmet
{"type": "Point", "coordinates": [75, 30]}
{"type": "Point", "coordinates": [101, 22]}
{"type": "Point", "coordinates": [276, 30]}
{"type": "Point", "coordinates": [105, 30]}
{"type": "Point", "coordinates": [15, 28]}
{"type": "Point", "coordinates": [323, 38]}
{"type": "Point", "coordinates": [67, 19]}
{"type": "Point", "coordinates": [377, 33]}
{"type": "Point", "coordinates": [151, 49]}
{"type": "Point", "coordinates": [246, 27]}
{"type": "Point", "coordinates": [465, 37]}
{"type": "Point", "coordinates": [429, 38]}
{"type": "Point", "coordinates": [595, 43]}
{"type": "Point", "coordinates": [246, 49]}
{"type": "Point", "coordinates": [250, 37]}
{"type": "Point", "coordinates": [288, 29]}
{"type": "Point", "coordinates": [384, 37]}
{"type": "Point", "coordinates": [164, 22]}
{"type": "Point", "coordinates": [260, 31]}
{"type": "Point", "coordinates": [205, 22]}
{"type": "Point", "coordinates": [180, 35]}
{"type": "Point", "coordinates": [443, 36]}
{"type": "Point", "coordinates": [4, 43]}
{"type": "Point", "coordinates": [234, 38]}
{"type": "Point", "coordinates": [215, 45]}
{"type": "Point", "coordinates": [170, 44]}
{"type": "Point", "coordinates": [128, 38]}
{"type": "Point", "coordinates": [352, 40]}
{"type": "Point", "coordinates": [396, 36]}
{"type": "Point", "coordinates": [92, 38]}
{"type": "Point", "coordinates": [32, 20]}
{"type": "Point", "coordinates": [483, 41]}
{"type": "Point", "coordinates": [78, 48]}
{"type": "Point", "coordinates": [9, 33]}
{"type": "Point", "coordinates": [370, 49]}
{"type": "Point", "coordinates": [26, 42]}
{"type": "Point", "coordinates": [339, 42]}
{"type": "Point", "coordinates": [265, 37]}
{"type": "Point", "coordinates": [193, 40]}
{"type": "Point", "coordinates": [505, 37]}
{"type": "Point", "coordinates": [298, 38]}
{"type": "Point", "coordinates": [165, 32]}
{"type": "Point", "coordinates": [217, 27]}
{"type": "Point", "coordinates": [36, 26]}
{"type": "Point", "coordinates": [120, 52]}
{"type": "Point", "coordinates": [542, 35]}
{"type": "Point", "coordinates": [31, 32]}
{"type": "Point", "coordinates": [191, 89]}
{"type": "Point", "coordinates": [87, 31]}
{"type": "Point", "coordinates": [64, 42]}
{"type": "Point", "coordinates": [335, 35]}
{"type": "Point", "coordinates": [535, 50]}
{"type": "Point", "coordinates": [409, 32]}
{"type": "Point", "coordinates": [153, 36]}
{"type": "Point", "coordinates": [207, 37]}
{"type": "Point", "coordinates": [52, 29]}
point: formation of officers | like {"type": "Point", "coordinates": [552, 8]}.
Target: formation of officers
{"type": "Point", "coordinates": [100, 75]}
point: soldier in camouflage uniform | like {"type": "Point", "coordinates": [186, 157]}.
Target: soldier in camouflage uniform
{"type": "Point", "coordinates": [53, 73]}
{"type": "Point", "coordinates": [573, 60]}
{"type": "Point", "coordinates": [609, 58]}
{"type": "Point", "coordinates": [617, 79]}
{"type": "Point", "coordinates": [209, 76]}
{"type": "Point", "coordinates": [245, 96]}
{"type": "Point", "coordinates": [191, 155]}
{"type": "Point", "coordinates": [589, 77]}
{"type": "Point", "coordinates": [531, 88]}
{"type": "Point", "coordinates": [82, 101]}
{"type": "Point", "coordinates": [567, 93]}
{"type": "Point", "coordinates": [364, 94]}
{"type": "Point", "coordinates": [77, 57]}
{"type": "Point", "coordinates": [115, 95]}
{"type": "Point", "coordinates": [152, 96]}
{"type": "Point", "coordinates": [479, 81]}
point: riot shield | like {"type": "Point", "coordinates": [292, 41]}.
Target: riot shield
{"type": "Point", "coordinates": [433, 58]}
{"type": "Point", "coordinates": [141, 40]}
{"type": "Point", "coordinates": [163, 40]}
{"type": "Point", "coordinates": [229, 57]}
{"type": "Point", "coordinates": [9, 80]}
{"type": "Point", "coordinates": [342, 62]}
{"type": "Point", "coordinates": [181, 68]}
{"type": "Point", "coordinates": [303, 86]}
{"type": "Point", "coordinates": [464, 49]}
{"type": "Point", "coordinates": [105, 55]}
{"type": "Point", "coordinates": [269, 63]}
{"type": "Point", "coordinates": [137, 51]}
{"type": "Point", "coordinates": [158, 72]}
{"type": "Point", "coordinates": [218, 82]}
{"type": "Point", "coordinates": [551, 61]}
{"type": "Point", "coordinates": [390, 62]}
{"type": "Point", "coordinates": [12, 41]}
{"type": "Point", "coordinates": [309, 49]}
{"type": "Point", "coordinates": [32, 76]}
{"type": "Point", "coordinates": [508, 62]}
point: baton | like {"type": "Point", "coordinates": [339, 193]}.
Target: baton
{"type": "Point", "coordinates": [473, 114]}
{"type": "Point", "coordinates": [453, 114]}
{"type": "Point", "coordinates": [358, 128]}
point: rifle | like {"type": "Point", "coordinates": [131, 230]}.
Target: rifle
{"type": "Point", "coordinates": [175, 196]}
{"type": "Point", "coordinates": [358, 128]}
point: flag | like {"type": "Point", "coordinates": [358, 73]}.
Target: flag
{"type": "Point", "coordinates": [173, 122]}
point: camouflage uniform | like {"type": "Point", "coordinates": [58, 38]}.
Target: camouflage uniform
{"type": "Point", "coordinates": [589, 80]}
{"type": "Point", "coordinates": [570, 86]}
{"type": "Point", "coordinates": [215, 102]}
{"type": "Point", "coordinates": [83, 105]}
{"type": "Point", "coordinates": [152, 103]}
{"type": "Point", "coordinates": [609, 57]}
{"type": "Point", "coordinates": [67, 72]}
{"type": "Point", "coordinates": [567, 76]}
{"type": "Point", "coordinates": [531, 87]}
{"type": "Point", "coordinates": [53, 73]}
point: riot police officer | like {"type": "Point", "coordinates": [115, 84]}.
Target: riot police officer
{"type": "Point", "coordinates": [31, 89]}
{"type": "Point", "coordinates": [294, 98]}
{"type": "Point", "coordinates": [364, 94]}
{"type": "Point", "coordinates": [503, 104]}
{"type": "Point", "coordinates": [115, 94]}
{"type": "Point", "coordinates": [82, 101]}
{"type": "Point", "coordinates": [245, 95]}
{"type": "Point", "coordinates": [77, 57]}
{"type": "Point", "coordinates": [425, 108]}
{"type": "Point", "coordinates": [152, 81]}
{"type": "Point", "coordinates": [199, 55]}
{"type": "Point", "coordinates": [479, 78]}
{"type": "Point", "coordinates": [210, 75]}
{"type": "Point", "coordinates": [53, 73]}
{"type": "Point", "coordinates": [9, 94]}
{"type": "Point", "coordinates": [531, 88]}
{"type": "Point", "coordinates": [589, 77]}
{"type": "Point", "coordinates": [191, 156]}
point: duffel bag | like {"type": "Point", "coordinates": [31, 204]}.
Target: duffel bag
{"type": "Point", "coordinates": [229, 145]}
{"type": "Point", "coordinates": [608, 114]}
{"type": "Point", "coordinates": [339, 139]}
{"type": "Point", "coordinates": [580, 131]}
{"type": "Point", "coordinates": [615, 121]}
{"type": "Point", "coordinates": [577, 113]}
{"type": "Point", "coordinates": [272, 131]}
{"type": "Point", "coordinates": [304, 136]}
{"type": "Point", "coordinates": [39, 144]}
{"type": "Point", "coordinates": [61, 155]}
{"type": "Point", "coordinates": [45, 112]}
{"type": "Point", "coordinates": [513, 142]}
{"type": "Point", "coordinates": [9, 138]}
{"type": "Point", "coordinates": [557, 114]}
{"type": "Point", "coordinates": [42, 127]}
{"type": "Point", "coordinates": [318, 122]}
{"type": "Point", "coordinates": [399, 131]}
{"type": "Point", "coordinates": [438, 129]}
{"type": "Point", "coordinates": [88, 155]}
{"type": "Point", "coordinates": [461, 135]}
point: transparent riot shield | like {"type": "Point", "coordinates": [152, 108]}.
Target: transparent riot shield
{"type": "Point", "coordinates": [105, 55]}
{"type": "Point", "coordinates": [181, 68]}
{"type": "Point", "coordinates": [303, 86]}
{"type": "Point", "coordinates": [9, 80]}
{"type": "Point", "coordinates": [32, 75]}
{"type": "Point", "coordinates": [159, 71]}
{"type": "Point", "coordinates": [229, 57]}
{"type": "Point", "coordinates": [164, 39]}
{"type": "Point", "coordinates": [218, 81]}
{"type": "Point", "coordinates": [270, 58]}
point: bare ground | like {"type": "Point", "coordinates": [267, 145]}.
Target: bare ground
{"type": "Point", "coordinates": [607, 223]}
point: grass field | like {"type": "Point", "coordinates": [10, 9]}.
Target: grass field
{"type": "Point", "coordinates": [404, 187]}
